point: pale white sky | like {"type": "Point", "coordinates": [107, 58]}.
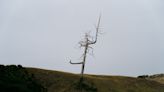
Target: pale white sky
{"type": "Point", "coordinates": [45, 34]}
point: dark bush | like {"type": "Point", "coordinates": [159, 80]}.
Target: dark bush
{"type": "Point", "coordinates": [85, 85]}
{"type": "Point", "coordinates": [143, 76]}
{"type": "Point", "coordinates": [17, 79]}
{"type": "Point", "coordinates": [20, 66]}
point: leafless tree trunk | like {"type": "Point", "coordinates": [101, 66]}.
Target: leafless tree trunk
{"type": "Point", "coordinates": [86, 44]}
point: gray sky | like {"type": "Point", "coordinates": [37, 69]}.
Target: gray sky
{"type": "Point", "coordinates": [45, 34]}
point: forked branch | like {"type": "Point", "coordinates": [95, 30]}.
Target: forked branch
{"type": "Point", "coordinates": [86, 43]}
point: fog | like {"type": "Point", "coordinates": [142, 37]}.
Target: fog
{"type": "Point", "coordinates": [45, 34]}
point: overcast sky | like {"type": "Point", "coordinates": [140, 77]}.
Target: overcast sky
{"type": "Point", "coordinates": [45, 34]}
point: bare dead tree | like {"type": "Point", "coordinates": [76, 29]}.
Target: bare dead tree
{"type": "Point", "coordinates": [86, 44]}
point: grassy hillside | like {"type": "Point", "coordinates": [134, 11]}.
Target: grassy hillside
{"type": "Point", "coordinates": [19, 79]}
{"type": "Point", "coordinates": [157, 77]}
{"type": "Point", "coordinates": [56, 81]}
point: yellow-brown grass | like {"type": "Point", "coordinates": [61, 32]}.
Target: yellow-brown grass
{"type": "Point", "coordinates": [56, 81]}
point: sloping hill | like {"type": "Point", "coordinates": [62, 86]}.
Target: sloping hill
{"type": "Point", "coordinates": [56, 81]}
{"type": "Point", "coordinates": [19, 79]}
{"type": "Point", "coordinates": [157, 77]}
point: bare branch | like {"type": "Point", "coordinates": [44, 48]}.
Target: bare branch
{"type": "Point", "coordinates": [90, 51]}
{"type": "Point", "coordinates": [75, 63]}
{"type": "Point", "coordinates": [97, 31]}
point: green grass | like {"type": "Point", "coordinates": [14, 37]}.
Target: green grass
{"type": "Point", "coordinates": [56, 81]}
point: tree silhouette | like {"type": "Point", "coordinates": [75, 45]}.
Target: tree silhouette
{"type": "Point", "coordinates": [86, 44]}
